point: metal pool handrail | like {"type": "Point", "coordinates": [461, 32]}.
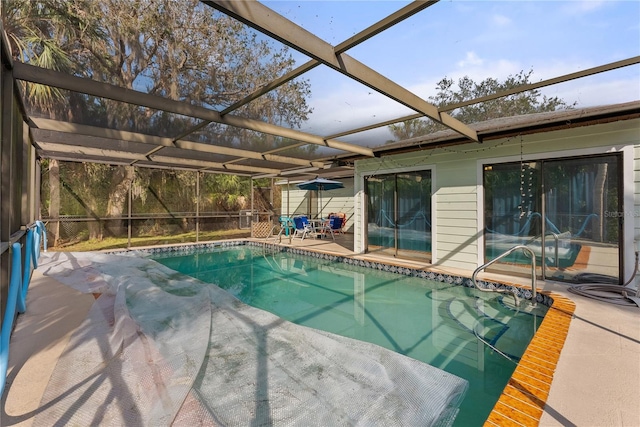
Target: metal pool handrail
{"type": "Point", "coordinates": [499, 257]}
{"type": "Point", "coordinates": [18, 287]}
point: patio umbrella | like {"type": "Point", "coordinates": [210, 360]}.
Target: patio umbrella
{"type": "Point", "coordinates": [320, 184]}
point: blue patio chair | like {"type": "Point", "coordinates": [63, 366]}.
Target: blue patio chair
{"type": "Point", "coordinates": [343, 221]}
{"type": "Point", "coordinates": [333, 225]}
{"type": "Point", "coordinates": [302, 226]}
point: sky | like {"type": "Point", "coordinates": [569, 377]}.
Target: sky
{"type": "Point", "coordinates": [478, 39]}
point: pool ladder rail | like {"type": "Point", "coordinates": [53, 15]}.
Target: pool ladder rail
{"type": "Point", "coordinates": [527, 251]}
{"type": "Point", "coordinates": [516, 301]}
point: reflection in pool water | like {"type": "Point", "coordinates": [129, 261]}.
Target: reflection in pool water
{"type": "Point", "coordinates": [434, 322]}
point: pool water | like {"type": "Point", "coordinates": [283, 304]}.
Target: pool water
{"type": "Point", "coordinates": [427, 320]}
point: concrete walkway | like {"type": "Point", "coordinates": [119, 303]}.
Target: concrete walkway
{"type": "Point", "coordinates": [597, 380]}
{"type": "Point", "coordinates": [41, 334]}
{"type": "Point", "coordinates": [596, 383]}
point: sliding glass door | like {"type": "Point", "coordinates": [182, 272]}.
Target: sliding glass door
{"type": "Point", "coordinates": [581, 200]}
{"type": "Point", "coordinates": [399, 214]}
{"type": "Point", "coordinates": [564, 210]}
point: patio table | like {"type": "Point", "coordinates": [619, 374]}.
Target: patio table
{"type": "Point", "coordinates": [318, 225]}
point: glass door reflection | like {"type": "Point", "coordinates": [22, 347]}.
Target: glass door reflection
{"type": "Point", "coordinates": [399, 214]}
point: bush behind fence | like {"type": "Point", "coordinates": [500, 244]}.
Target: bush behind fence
{"type": "Point", "coordinates": [142, 230]}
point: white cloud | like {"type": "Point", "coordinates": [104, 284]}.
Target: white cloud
{"type": "Point", "coordinates": [501, 20]}
{"type": "Point", "coordinates": [350, 107]}
{"type": "Point", "coordinates": [479, 69]}
{"type": "Point", "coordinates": [471, 59]}
{"type": "Point", "coordinates": [593, 91]}
{"type": "Point", "coordinates": [333, 114]}
{"type": "Point", "coordinates": [583, 6]}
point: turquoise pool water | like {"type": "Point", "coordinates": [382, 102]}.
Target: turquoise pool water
{"type": "Point", "coordinates": [428, 320]}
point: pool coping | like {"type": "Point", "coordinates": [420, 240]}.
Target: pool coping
{"type": "Point", "coordinates": [523, 399]}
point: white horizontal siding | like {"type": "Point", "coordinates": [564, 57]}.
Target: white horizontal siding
{"type": "Point", "coordinates": [304, 202]}
{"type": "Point", "coordinates": [297, 202]}
{"type": "Point", "coordinates": [457, 202]}
{"type": "Point", "coordinates": [458, 214]}
{"type": "Point", "coordinates": [459, 261]}
{"type": "Point", "coordinates": [456, 211]}
{"type": "Point", "coordinates": [459, 239]}
{"type": "Point", "coordinates": [459, 248]}
{"type": "Point", "coordinates": [444, 222]}
{"type": "Point", "coordinates": [457, 231]}
{"type": "Point", "coordinates": [444, 196]}
{"type": "Point", "coordinates": [447, 207]}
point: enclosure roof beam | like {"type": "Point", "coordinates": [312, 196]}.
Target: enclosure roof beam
{"type": "Point", "coordinates": [245, 154]}
{"type": "Point", "coordinates": [78, 129]}
{"type": "Point", "coordinates": [61, 80]}
{"type": "Point", "coordinates": [100, 132]}
{"type": "Point", "coordinates": [376, 125]}
{"type": "Point", "coordinates": [127, 155]}
{"type": "Point", "coordinates": [276, 26]}
{"type": "Point", "coordinates": [519, 89]}
{"type": "Point", "coordinates": [90, 151]}
{"type": "Point", "coordinates": [543, 83]}
{"type": "Point", "coordinates": [391, 20]}
{"type": "Point", "coordinates": [214, 165]}
{"type": "Point", "coordinates": [387, 22]}
{"type": "Point", "coordinates": [110, 161]}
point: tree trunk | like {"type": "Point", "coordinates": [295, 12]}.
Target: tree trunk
{"type": "Point", "coordinates": [95, 227]}
{"type": "Point", "coordinates": [118, 197]}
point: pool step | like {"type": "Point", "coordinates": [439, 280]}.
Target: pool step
{"type": "Point", "coordinates": [503, 327]}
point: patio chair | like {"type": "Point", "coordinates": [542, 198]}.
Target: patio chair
{"type": "Point", "coordinates": [332, 226]}
{"type": "Point", "coordinates": [302, 226]}
{"type": "Point", "coordinates": [286, 226]}
{"type": "Point", "coordinates": [343, 221]}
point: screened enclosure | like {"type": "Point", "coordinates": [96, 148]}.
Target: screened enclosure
{"type": "Point", "coordinates": [196, 89]}
{"type": "Point", "coordinates": [93, 202]}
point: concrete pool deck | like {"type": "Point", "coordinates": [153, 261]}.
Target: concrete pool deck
{"type": "Point", "coordinates": [596, 380]}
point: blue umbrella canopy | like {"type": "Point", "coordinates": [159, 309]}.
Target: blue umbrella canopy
{"type": "Point", "coordinates": [320, 184]}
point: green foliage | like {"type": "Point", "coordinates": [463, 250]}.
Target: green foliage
{"type": "Point", "coordinates": [528, 102]}
{"type": "Point", "coordinates": [179, 50]}
{"type": "Point", "coordinates": [122, 242]}
{"type": "Point", "coordinates": [34, 30]}
{"type": "Point", "coordinates": [225, 192]}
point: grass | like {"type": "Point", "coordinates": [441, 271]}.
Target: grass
{"type": "Point", "coordinates": [121, 242]}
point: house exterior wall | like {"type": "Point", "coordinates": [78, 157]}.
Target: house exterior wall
{"type": "Point", "coordinates": [457, 184]}
{"type": "Point", "coordinates": [294, 200]}
{"type": "Point", "coordinates": [303, 202]}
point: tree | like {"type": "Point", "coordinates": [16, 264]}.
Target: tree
{"type": "Point", "coordinates": [179, 50]}
{"type": "Point", "coordinates": [528, 102]}
{"type": "Point", "coordinates": [37, 34]}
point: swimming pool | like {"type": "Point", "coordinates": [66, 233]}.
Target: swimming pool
{"type": "Point", "coordinates": [432, 318]}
